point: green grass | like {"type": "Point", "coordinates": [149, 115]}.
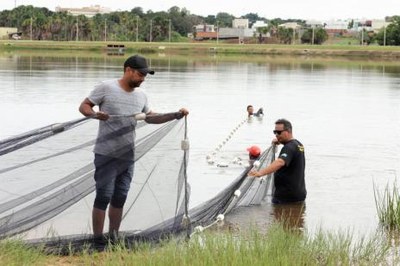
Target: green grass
{"type": "Point", "coordinates": [388, 206]}
{"type": "Point", "coordinates": [336, 50]}
{"type": "Point", "coordinates": [278, 246]}
{"type": "Point", "coordinates": [16, 253]}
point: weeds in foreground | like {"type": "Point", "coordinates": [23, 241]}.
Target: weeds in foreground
{"type": "Point", "coordinates": [278, 246]}
{"type": "Point", "coordinates": [13, 252]}
{"type": "Point", "coordinates": [388, 206]}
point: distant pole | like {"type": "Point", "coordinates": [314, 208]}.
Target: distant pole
{"type": "Point", "coordinates": [151, 29]}
{"type": "Point", "coordinates": [105, 30]}
{"type": "Point", "coordinates": [294, 35]}
{"type": "Point", "coordinates": [217, 32]}
{"type": "Point", "coordinates": [362, 36]}
{"type": "Point", "coordinates": [15, 3]}
{"type": "Point", "coordinates": [313, 35]}
{"type": "Point", "coordinates": [169, 31]}
{"type": "Point", "coordinates": [300, 32]}
{"type": "Point", "coordinates": [137, 28]}
{"type": "Point", "coordinates": [77, 30]}
{"type": "Point", "coordinates": [384, 35]}
{"type": "Point", "coordinates": [31, 28]}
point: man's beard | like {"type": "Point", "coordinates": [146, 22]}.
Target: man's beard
{"type": "Point", "coordinates": [134, 84]}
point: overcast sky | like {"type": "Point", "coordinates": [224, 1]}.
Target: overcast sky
{"type": "Point", "coordinates": [302, 9]}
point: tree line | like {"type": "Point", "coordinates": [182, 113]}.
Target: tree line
{"type": "Point", "coordinates": [172, 25]}
{"type": "Point", "coordinates": [134, 25]}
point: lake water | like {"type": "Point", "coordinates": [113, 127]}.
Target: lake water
{"type": "Point", "coordinates": [346, 113]}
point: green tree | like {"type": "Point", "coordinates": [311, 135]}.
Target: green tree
{"type": "Point", "coordinates": [272, 27]}
{"type": "Point", "coordinates": [285, 35]}
{"type": "Point", "coordinates": [119, 26]}
{"type": "Point", "coordinates": [58, 26]}
{"type": "Point", "coordinates": [211, 20]}
{"type": "Point", "coordinates": [182, 20]}
{"type": "Point", "coordinates": [137, 11]}
{"type": "Point", "coordinates": [160, 27]}
{"type": "Point", "coordinates": [392, 33]}
{"type": "Point", "coordinates": [276, 22]}
{"type": "Point", "coordinates": [253, 17]}
{"type": "Point", "coordinates": [320, 36]}
{"type": "Point", "coordinates": [351, 24]}
{"type": "Point", "coordinates": [98, 25]}
{"type": "Point", "coordinates": [224, 19]}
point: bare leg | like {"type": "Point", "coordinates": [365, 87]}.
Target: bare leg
{"type": "Point", "coordinates": [98, 217]}
{"type": "Point", "coordinates": [115, 216]}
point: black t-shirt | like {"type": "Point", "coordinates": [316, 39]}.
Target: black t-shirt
{"type": "Point", "coordinates": [289, 180]}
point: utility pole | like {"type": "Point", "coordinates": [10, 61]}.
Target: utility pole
{"type": "Point", "coordinates": [77, 30]}
{"type": "Point", "coordinates": [151, 30]}
{"type": "Point", "coordinates": [313, 35]}
{"type": "Point", "coordinates": [294, 35]}
{"type": "Point", "coordinates": [105, 30]}
{"type": "Point", "coordinates": [384, 35]}
{"type": "Point", "coordinates": [31, 28]}
{"type": "Point", "coordinates": [137, 28]}
{"type": "Point", "coordinates": [300, 33]}
{"type": "Point", "coordinates": [169, 31]}
{"type": "Point", "coordinates": [217, 31]}
{"type": "Point", "coordinates": [362, 36]}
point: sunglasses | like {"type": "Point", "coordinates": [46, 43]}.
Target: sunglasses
{"type": "Point", "coordinates": [278, 132]}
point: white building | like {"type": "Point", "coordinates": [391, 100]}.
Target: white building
{"type": "Point", "coordinates": [86, 11]}
{"type": "Point", "coordinates": [240, 33]}
{"type": "Point", "coordinates": [378, 24]}
{"type": "Point", "coordinates": [314, 23]}
{"type": "Point", "coordinates": [259, 24]}
{"type": "Point", "coordinates": [240, 23]}
{"type": "Point", "coordinates": [204, 28]}
{"type": "Point", "coordinates": [5, 33]}
{"type": "Point", "coordinates": [290, 25]}
{"type": "Point", "coordinates": [337, 24]}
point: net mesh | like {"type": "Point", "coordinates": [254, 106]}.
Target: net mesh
{"type": "Point", "coordinates": [48, 188]}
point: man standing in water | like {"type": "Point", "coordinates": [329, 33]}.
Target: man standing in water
{"type": "Point", "coordinates": [115, 143]}
{"type": "Point", "coordinates": [288, 167]}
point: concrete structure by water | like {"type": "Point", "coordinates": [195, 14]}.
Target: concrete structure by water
{"type": "Point", "coordinates": [5, 32]}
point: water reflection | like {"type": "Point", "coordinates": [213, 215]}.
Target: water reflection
{"type": "Point", "coordinates": [52, 60]}
{"type": "Point", "coordinates": [290, 215]}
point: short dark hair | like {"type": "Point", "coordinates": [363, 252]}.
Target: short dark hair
{"type": "Point", "coordinates": [286, 124]}
{"type": "Point", "coordinates": [248, 106]}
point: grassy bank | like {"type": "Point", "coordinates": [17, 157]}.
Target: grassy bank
{"type": "Point", "coordinates": [276, 247]}
{"type": "Point", "coordinates": [387, 52]}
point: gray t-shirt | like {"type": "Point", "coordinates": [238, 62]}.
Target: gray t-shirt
{"type": "Point", "coordinates": [116, 136]}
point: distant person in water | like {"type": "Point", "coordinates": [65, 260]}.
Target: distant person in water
{"type": "Point", "coordinates": [250, 111]}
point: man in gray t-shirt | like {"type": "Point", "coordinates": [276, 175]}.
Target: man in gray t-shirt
{"type": "Point", "coordinates": [116, 135]}
{"type": "Point", "coordinates": [118, 101]}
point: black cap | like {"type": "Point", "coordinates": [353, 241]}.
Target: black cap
{"type": "Point", "coordinates": [138, 63]}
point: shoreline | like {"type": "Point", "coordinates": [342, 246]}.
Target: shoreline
{"type": "Point", "coordinates": [346, 51]}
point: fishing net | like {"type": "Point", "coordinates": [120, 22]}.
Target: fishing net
{"type": "Point", "coordinates": [48, 188]}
